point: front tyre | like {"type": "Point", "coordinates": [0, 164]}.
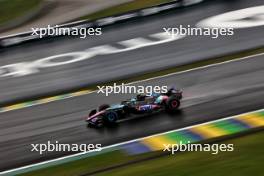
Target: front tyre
{"type": "Point", "coordinates": [103, 107]}
{"type": "Point", "coordinates": [110, 117]}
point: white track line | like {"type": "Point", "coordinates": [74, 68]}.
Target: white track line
{"type": "Point", "coordinates": [171, 74]}
{"type": "Point", "coordinates": [199, 68]}
{"type": "Point", "coordinates": [189, 70]}
{"type": "Point", "coordinates": [122, 143]}
{"type": "Point", "coordinates": [153, 78]}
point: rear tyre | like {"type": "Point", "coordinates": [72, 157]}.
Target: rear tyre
{"type": "Point", "coordinates": [172, 104]}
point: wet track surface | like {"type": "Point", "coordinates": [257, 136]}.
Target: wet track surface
{"type": "Point", "coordinates": [209, 94]}
{"type": "Point", "coordinates": [113, 66]}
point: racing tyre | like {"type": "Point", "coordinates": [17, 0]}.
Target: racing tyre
{"type": "Point", "coordinates": [110, 117]}
{"type": "Point", "coordinates": [103, 107]}
{"type": "Point", "coordinates": [172, 104]}
{"type": "Point", "coordinates": [92, 112]}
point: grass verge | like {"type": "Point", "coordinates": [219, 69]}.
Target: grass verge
{"type": "Point", "coordinates": [123, 8]}
{"type": "Point", "coordinates": [90, 164]}
{"type": "Point", "coordinates": [12, 9]}
{"type": "Point", "coordinates": [246, 159]}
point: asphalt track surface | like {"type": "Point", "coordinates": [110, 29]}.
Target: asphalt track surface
{"type": "Point", "coordinates": [116, 66]}
{"type": "Point", "coordinates": [209, 94]}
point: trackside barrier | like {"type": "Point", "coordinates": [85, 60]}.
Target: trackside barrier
{"type": "Point", "coordinates": [15, 39]}
{"type": "Point", "coordinates": [197, 133]}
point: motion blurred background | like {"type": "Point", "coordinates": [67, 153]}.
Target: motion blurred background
{"type": "Point", "coordinates": [51, 104]}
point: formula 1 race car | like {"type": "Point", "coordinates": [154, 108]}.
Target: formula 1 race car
{"type": "Point", "coordinates": [141, 104]}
